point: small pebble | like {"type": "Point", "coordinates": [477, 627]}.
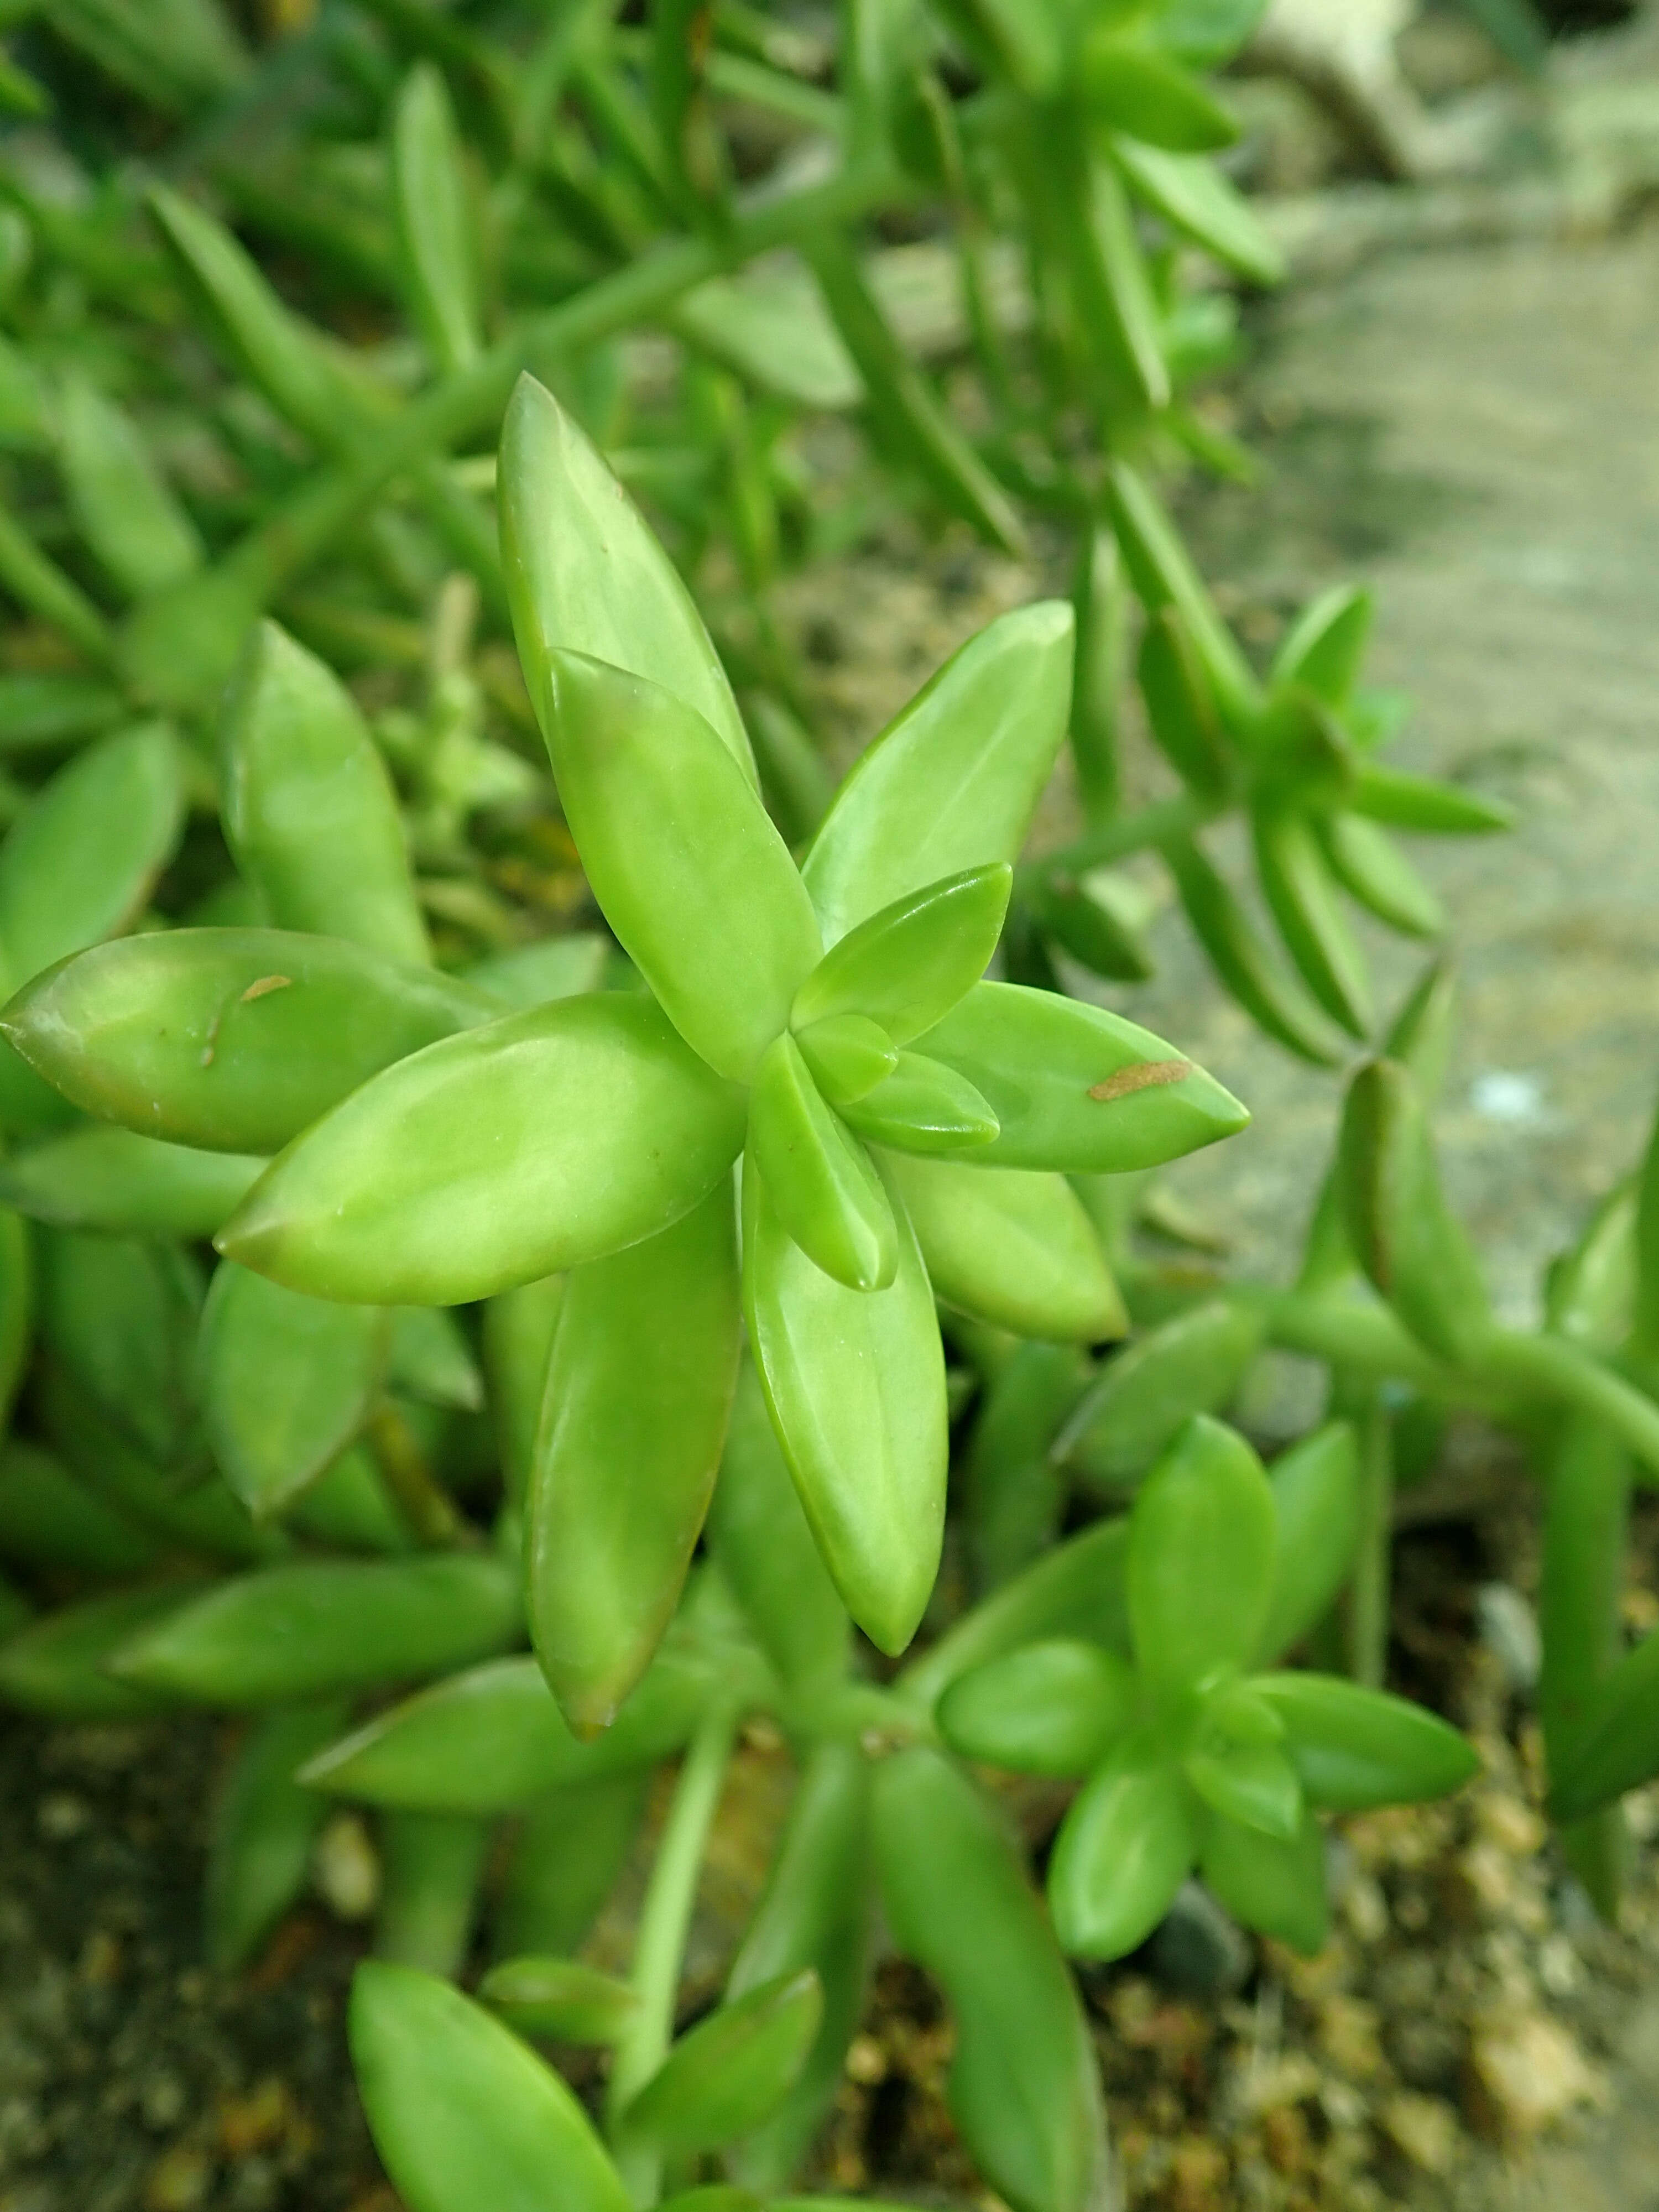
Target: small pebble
{"type": "Point", "coordinates": [1284, 2138]}
{"type": "Point", "coordinates": [161, 2101]}
{"type": "Point", "coordinates": [256, 2121]}
{"type": "Point", "coordinates": [1365, 1909]}
{"type": "Point", "coordinates": [1509, 1629]}
{"type": "Point", "coordinates": [101, 1960]}
{"type": "Point", "coordinates": [61, 1815]}
{"type": "Point", "coordinates": [1513, 1826]}
{"type": "Point", "coordinates": [1348, 2037]}
{"type": "Point", "coordinates": [866, 2062]}
{"type": "Point", "coordinates": [1560, 1968]}
{"type": "Point", "coordinates": [1199, 1950]}
{"type": "Point", "coordinates": [346, 1870]}
{"type": "Point", "coordinates": [1425, 2129]}
{"type": "Point", "coordinates": [1503, 1095]}
{"type": "Point", "coordinates": [1531, 2072]}
{"type": "Point", "coordinates": [1198, 2177]}
{"type": "Point", "coordinates": [1488, 1876]}
{"type": "Point", "coordinates": [255, 2186]}
{"type": "Point", "coordinates": [179, 2181]}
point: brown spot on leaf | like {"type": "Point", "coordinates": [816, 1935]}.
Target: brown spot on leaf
{"type": "Point", "coordinates": [1144, 1075]}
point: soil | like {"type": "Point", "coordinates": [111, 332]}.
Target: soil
{"type": "Point", "coordinates": [1473, 431]}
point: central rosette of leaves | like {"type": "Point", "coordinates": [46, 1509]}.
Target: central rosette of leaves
{"type": "Point", "coordinates": [905, 1129]}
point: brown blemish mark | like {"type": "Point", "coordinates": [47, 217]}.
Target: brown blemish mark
{"type": "Point", "coordinates": [265, 984]}
{"type": "Point", "coordinates": [1144, 1075]}
{"type": "Point", "coordinates": [257, 989]}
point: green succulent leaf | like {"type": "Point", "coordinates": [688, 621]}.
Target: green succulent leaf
{"type": "Point", "coordinates": [952, 782]}
{"type": "Point", "coordinates": [1371, 867]}
{"type": "Point", "coordinates": [461, 2111]}
{"type": "Point", "coordinates": [536, 1143]}
{"type": "Point", "coordinates": [265, 1826]}
{"type": "Point", "coordinates": [907, 965]}
{"type": "Point", "coordinates": [1196, 198]}
{"type": "Point", "coordinates": [1274, 1885]}
{"type": "Point", "coordinates": [1074, 1088]}
{"type": "Point", "coordinates": [818, 1176]}
{"type": "Point", "coordinates": [1053, 1708]}
{"type": "Point", "coordinates": [559, 1998]}
{"type": "Point", "coordinates": [815, 1913]}
{"type": "Point", "coordinates": [1023, 2085]}
{"type": "Point", "coordinates": [284, 1381]}
{"type": "Point", "coordinates": [692, 874]}
{"type": "Point", "coordinates": [572, 1845]}
{"type": "Point", "coordinates": [1401, 1230]}
{"type": "Point", "coordinates": [50, 1518]}
{"type": "Point", "coordinates": [606, 1559]}
{"type": "Point", "coordinates": [1355, 1748]}
{"type": "Point", "coordinates": [765, 1550]}
{"type": "Point", "coordinates": [924, 1107]}
{"type": "Point", "coordinates": [492, 1739]}
{"type": "Point", "coordinates": [1255, 1784]}
{"type": "Point", "coordinates": [1012, 1247]}
{"type": "Point", "coordinates": [1301, 893]}
{"type": "Point", "coordinates": [1181, 710]}
{"type": "Point", "coordinates": [1076, 1590]}
{"type": "Point", "coordinates": [848, 1055]}
{"type": "Point", "coordinates": [731, 2071]}
{"type": "Point", "coordinates": [324, 1625]}
{"type": "Point", "coordinates": [308, 806]}
{"type": "Point", "coordinates": [1244, 963]}
{"type": "Point", "coordinates": [1203, 1522]}
{"type": "Point", "coordinates": [230, 1040]}
{"type": "Point", "coordinates": [126, 1185]}
{"type": "Point", "coordinates": [1324, 648]}
{"type": "Point", "coordinates": [855, 1381]}
{"type": "Point", "coordinates": [1315, 1486]}
{"type": "Point", "coordinates": [125, 507]}
{"type": "Point", "coordinates": [429, 199]}
{"type": "Point", "coordinates": [1124, 1849]}
{"type": "Point", "coordinates": [1417, 802]}
{"type": "Point", "coordinates": [81, 859]}
{"type": "Point", "coordinates": [1134, 89]}
{"type": "Point", "coordinates": [58, 1666]}
{"type": "Point", "coordinates": [585, 575]}
{"type": "Point", "coordinates": [1146, 1393]}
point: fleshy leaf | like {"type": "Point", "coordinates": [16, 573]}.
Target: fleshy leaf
{"type": "Point", "coordinates": [626, 1459]}
{"type": "Point", "coordinates": [585, 574]}
{"type": "Point", "coordinates": [1201, 1567]}
{"type": "Point", "coordinates": [818, 1176]}
{"type": "Point", "coordinates": [235, 1040]}
{"type": "Point", "coordinates": [855, 1381]}
{"type": "Point", "coordinates": [535, 1144]}
{"type": "Point", "coordinates": [1124, 1849]}
{"type": "Point", "coordinates": [1355, 1748]}
{"type": "Point", "coordinates": [952, 782]}
{"type": "Point", "coordinates": [1050, 1709]}
{"type": "Point", "coordinates": [689, 867]}
{"type": "Point", "coordinates": [463, 2113]}
{"type": "Point", "coordinates": [1075, 1088]}
{"type": "Point", "coordinates": [1015, 1248]}
{"type": "Point", "coordinates": [906, 966]}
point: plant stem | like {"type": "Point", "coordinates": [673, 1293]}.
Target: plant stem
{"type": "Point", "coordinates": [1130, 833]}
{"type": "Point", "coordinates": [1586, 1537]}
{"type": "Point", "coordinates": [466, 402]}
{"type": "Point", "coordinates": [1351, 1333]}
{"type": "Point", "coordinates": [421, 1497]}
{"type": "Point", "coordinates": [1369, 1591]}
{"type": "Point", "coordinates": [1557, 1370]}
{"type": "Point", "coordinates": [660, 1944]}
